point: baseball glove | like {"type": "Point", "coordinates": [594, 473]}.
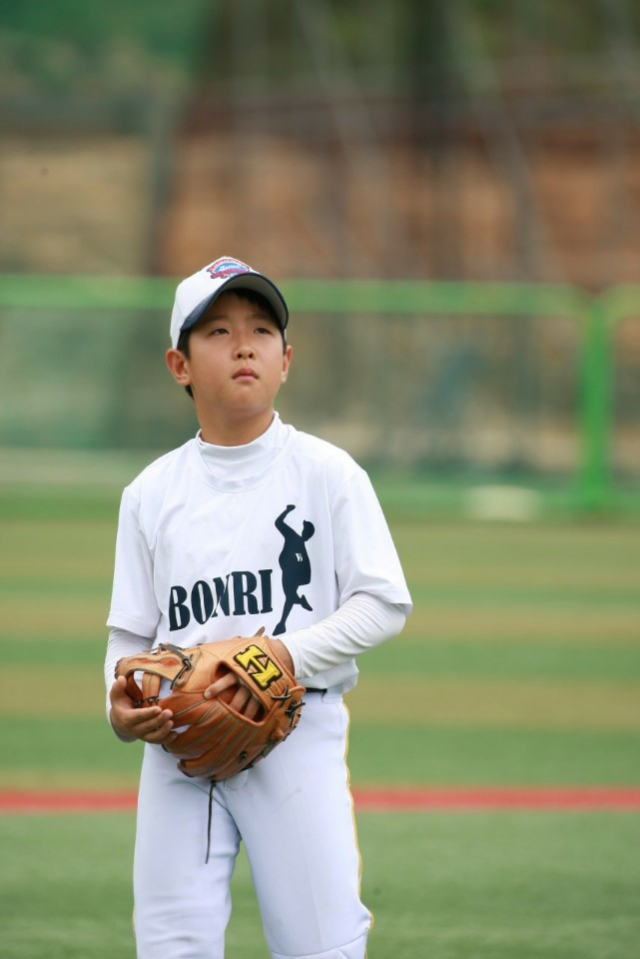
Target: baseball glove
{"type": "Point", "coordinates": [214, 740]}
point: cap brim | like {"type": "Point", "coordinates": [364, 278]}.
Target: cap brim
{"type": "Point", "coordinates": [248, 281]}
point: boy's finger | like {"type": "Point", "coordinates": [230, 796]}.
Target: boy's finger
{"type": "Point", "coordinates": [152, 718]}
{"type": "Point", "coordinates": [252, 708]}
{"type": "Point", "coordinates": [220, 685]}
{"type": "Point", "coordinates": [118, 690]}
{"type": "Point", "coordinates": [240, 699]}
{"type": "Point", "coordinates": [159, 735]}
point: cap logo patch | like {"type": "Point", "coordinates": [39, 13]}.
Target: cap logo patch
{"type": "Point", "coordinates": [227, 266]}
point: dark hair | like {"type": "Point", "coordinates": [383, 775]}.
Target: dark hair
{"type": "Point", "coordinates": [255, 299]}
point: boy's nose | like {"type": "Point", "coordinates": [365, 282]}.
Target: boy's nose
{"type": "Point", "coordinates": [244, 350]}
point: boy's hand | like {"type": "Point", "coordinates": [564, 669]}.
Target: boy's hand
{"type": "Point", "coordinates": [151, 723]}
{"type": "Point", "coordinates": [237, 695]}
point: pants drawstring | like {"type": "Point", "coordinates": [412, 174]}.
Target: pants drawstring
{"type": "Point", "coordinates": [210, 817]}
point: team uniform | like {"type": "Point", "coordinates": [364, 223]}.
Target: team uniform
{"type": "Point", "coordinates": [284, 533]}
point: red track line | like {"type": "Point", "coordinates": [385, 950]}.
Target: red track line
{"type": "Point", "coordinates": [499, 798]}
{"type": "Point", "coordinates": [24, 801]}
{"type": "Point", "coordinates": [445, 798]}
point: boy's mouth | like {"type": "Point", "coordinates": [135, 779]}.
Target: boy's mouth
{"type": "Point", "coordinates": [245, 373]}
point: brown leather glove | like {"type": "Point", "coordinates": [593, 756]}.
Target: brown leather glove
{"type": "Point", "coordinates": [213, 739]}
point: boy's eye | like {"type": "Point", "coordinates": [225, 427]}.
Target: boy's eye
{"type": "Point", "coordinates": [264, 329]}
{"type": "Point", "coordinates": [217, 329]}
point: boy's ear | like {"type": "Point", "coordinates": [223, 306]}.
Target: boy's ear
{"type": "Point", "coordinates": [286, 360]}
{"type": "Point", "coordinates": [178, 367]}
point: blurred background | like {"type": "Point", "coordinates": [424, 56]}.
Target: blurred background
{"type": "Point", "coordinates": [481, 154]}
{"type": "Point", "coordinates": [448, 192]}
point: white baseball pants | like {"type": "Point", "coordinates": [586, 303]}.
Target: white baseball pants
{"type": "Point", "coordinates": [294, 813]}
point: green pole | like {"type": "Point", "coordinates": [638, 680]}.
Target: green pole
{"type": "Point", "coordinates": [596, 398]}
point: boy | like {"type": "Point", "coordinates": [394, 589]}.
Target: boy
{"type": "Point", "coordinates": [250, 524]}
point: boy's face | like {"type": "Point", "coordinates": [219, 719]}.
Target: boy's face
{"type": "Point", "coordinates": [236, 363]}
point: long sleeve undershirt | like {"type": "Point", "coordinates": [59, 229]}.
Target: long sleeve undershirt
{"type": "Point", "coordinates": [362, 622]}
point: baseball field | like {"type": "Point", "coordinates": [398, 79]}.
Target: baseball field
{"type": "Point", "coordinates": [494, 748]}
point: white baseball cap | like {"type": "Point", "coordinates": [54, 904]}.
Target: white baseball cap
{"type": "Point", "coordinates": [195, 295]}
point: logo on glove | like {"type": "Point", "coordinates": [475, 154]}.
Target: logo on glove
{"type": "Point", "coordinates": [256, 664]}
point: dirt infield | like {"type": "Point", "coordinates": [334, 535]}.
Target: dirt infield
{"type": "Point", "coordinates": [383, 799]}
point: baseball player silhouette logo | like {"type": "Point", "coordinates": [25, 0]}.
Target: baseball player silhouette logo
{"type": "Point", "coordinates": [295, 565]}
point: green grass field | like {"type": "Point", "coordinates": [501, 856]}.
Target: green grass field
{"type": "Point", "coordinates": [520, 665]}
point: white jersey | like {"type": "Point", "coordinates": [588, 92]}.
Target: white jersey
{"type": "Point", "coordinates": [276, 534]}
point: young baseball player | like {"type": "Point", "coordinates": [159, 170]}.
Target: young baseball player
{"type": "Point", "coordinates": [250, 524]}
